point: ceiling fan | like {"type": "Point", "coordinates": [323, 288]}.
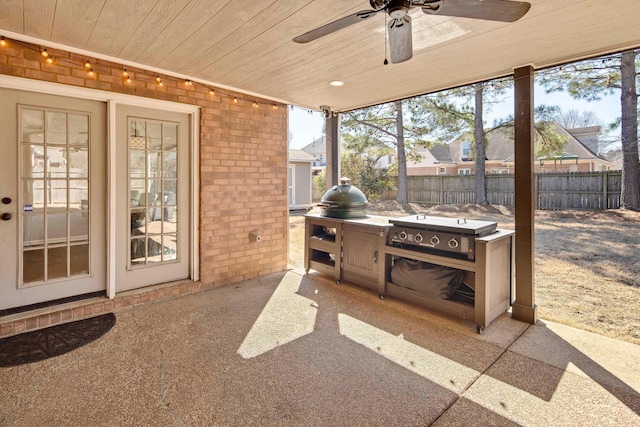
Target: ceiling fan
{"type": "Point", "coordinates": [399, 27]}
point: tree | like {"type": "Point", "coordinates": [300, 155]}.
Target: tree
{"type": "Point", "coordinates": [572, 119]}
{"type": "Point", "coordinates": [593, 78]}
{"type": "Point", "coordinates": [448, 114]}
{"type": "Point", "coordinates": [384, 125]}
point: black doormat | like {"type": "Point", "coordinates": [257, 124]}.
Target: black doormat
{"type": "Point", "coordinates": [50, 342]}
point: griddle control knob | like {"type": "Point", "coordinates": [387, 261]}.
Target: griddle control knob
{"type": "Point", "coordinates": [403, 235]}
{"type": "Point", "coordinates": [453, 243]}
{"type": "Point", "coordinates": [418, 237]}
{"type": "Point", "coordinates": [435, 240]}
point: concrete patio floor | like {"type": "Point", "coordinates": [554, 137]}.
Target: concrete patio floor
{"type": "Point", "coordinates": [298, 350]}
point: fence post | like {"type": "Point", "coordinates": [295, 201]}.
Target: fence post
{"type": "Point", "coordinates": [605, 187]}
{"type": "Point", "coordinates": [441, 189]}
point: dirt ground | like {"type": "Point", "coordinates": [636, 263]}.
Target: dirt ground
{"type": "Point", "coordinates": [587, 262]}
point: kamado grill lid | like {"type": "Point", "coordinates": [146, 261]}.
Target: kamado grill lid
{"type": "Point", "coordinates": [344, 195]}
{"type": "Point", "coordinates": [343, 201]}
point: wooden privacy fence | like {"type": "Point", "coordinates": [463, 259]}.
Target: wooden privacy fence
{"type": "Point", "coordinates": [555, 191]}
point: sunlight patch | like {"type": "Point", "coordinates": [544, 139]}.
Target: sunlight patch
{"type": "Point", "coordinates": [286, 317]}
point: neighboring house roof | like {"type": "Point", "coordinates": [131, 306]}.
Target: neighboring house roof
{"type": "Point", "coordinates": [442, 153]}
{"type": "Point", "coordinates": [317, 146]}
{"type": "Point", "coordinates": [500, 146]}
{"type": "Point", "coordinates": [300, 156]}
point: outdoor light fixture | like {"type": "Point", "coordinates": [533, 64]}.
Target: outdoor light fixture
{"type": "Point", "coordinates": [87, 64]}
{"type": "Point", "coordinates": [50, 60]}
{"type": "Point", "coordinates": [235, 100]}
{"type": "Point", "coordinates": [44, 53]}
{"type": "Point", "coordinates": [3, 42]}
{"type": "Point", "coordinates": [211, 92]}
{"type": "Point", "coordinates": [125, 72]}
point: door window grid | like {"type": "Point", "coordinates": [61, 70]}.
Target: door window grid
{"type": "Point", "coordinates": [54, 195]}
{"type": "Point", "coordinates": [153, 185]}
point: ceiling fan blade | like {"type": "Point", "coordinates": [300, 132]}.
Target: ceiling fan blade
{"type": "Point", "coordinates": [335, 26]}
{"type": "Point", "coordinates": [400, 43]}
{"type": "Point", "coordinates": [492, 10]}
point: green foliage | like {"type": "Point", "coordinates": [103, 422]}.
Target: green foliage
{"type": "Point", "coordinates": [376, 127]}
{"type": "Point", "coordinates": [364, 174]}
{"type": "Point", "coordinates": [320, 182]}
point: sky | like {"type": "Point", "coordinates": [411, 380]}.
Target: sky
{"type": "Point", "coordinates": [306, 125]}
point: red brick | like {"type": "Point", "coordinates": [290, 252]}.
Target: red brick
{"type": "Point", "coordinates": [43, 320]}
{"type": "Point", "coordinates": [6, 329]}
{"type": "Point", "coordinates": [19, 326]}
{"type": "Point", "coordinates": [54, 318]}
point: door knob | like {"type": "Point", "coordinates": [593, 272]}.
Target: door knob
{"type": "Point", "coordinates": [6, 200]}
{"type": "Point", "coordinates": [5, 216]}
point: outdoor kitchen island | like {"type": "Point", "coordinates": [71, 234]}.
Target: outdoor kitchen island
{"type": "Point", "coordinates": [463, 268]}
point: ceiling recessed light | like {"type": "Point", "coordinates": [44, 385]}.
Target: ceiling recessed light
{"type": "Point", "coordinates": [336, 83]}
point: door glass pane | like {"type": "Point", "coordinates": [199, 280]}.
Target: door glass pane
{"type": "Point", "coordinates": [79, 226]}
{"type": "Point", "coordinates": [33, 266]}
{"type": "Point", "coordinates": [33, 195]}
{"type": "Point", "coordinates": [169, 165]}
{"type": "Point", "coordinates": [78, 129]}
{"type": "Point", "coordinates": [170, 191]}
{"type": "Point", "coordinates": [55, 193]}
{"type": "Point", "coordinates": [57, 262]}
{"type": "Point", "coordinates": [78, 162]}
{"type": "Point", "coordinates": [57, 228]}
{"type": "Point", "coordinates": [169, 247]}
{"type": "Point", "coordinates": [137, 164]}
{"type": "Point", "coordinates": [32, 161]}
{"type": "Point", "coordinates": [137, 135]}
{"type": "Point", "coordinates": [138, 251]}
{"type": "Point", "coordinates": [32, 125]}
{"type": "Point", "coordinates": [153, 197]}
{"type": "Point", "coordinates": [78, 194]}
{"type": "Point", "coordinates": [170, 135]}
{"type": "Point", "coordinates": [56, 162]}
{"type": "Point", "coordinates": [56, 128]}
{"type": "Point", "coordinates": [79, 260]}
{"type": "Point", "coordinates": [33, 230]}
{"type": "Point", "coordinates": [155, 164]}
{"type": "Point", "coordinates": [138, 222]}
{"type": "Point", "coordinates": [154, 135]}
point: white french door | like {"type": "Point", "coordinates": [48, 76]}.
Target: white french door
{"type": "Point", "coordinates": [53, 192]}
{"type": "Point", "coordinates": [152, 198]}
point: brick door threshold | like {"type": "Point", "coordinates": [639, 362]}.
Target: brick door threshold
{"type": "Point", "coordinates": [27, 321]}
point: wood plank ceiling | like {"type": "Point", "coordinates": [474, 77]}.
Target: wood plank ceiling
{"type": "Point", "coordinates": [247, 45]}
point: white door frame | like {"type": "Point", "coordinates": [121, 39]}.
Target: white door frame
{"type": "Point", "coordinates": [113, 99]}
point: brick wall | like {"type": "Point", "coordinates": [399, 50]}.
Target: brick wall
{"type": "Point", "coordinates": [243, 157]}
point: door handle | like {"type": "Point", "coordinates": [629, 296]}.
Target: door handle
{"type": "Point", "coordinates": [375, 257]}
{"type": "Point", "coordinates": [5, 216]}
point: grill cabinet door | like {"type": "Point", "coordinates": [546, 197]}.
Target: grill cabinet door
{"type": "Point", "coordinates": [360, 253]}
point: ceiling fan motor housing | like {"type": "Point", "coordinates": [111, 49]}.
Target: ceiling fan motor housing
{"type": "Point", "coordinates": [398, 9]}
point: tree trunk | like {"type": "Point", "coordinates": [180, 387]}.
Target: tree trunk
{"type": "Point", "coordinates": [630, 193]}
{"type": "Point", "coordinates": [478, 131]}
{"type": "Point", "coordinates": [402, 196]}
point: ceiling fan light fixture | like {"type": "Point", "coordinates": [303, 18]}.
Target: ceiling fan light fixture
{"type": "Point", "coordinates": [336, 83]}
